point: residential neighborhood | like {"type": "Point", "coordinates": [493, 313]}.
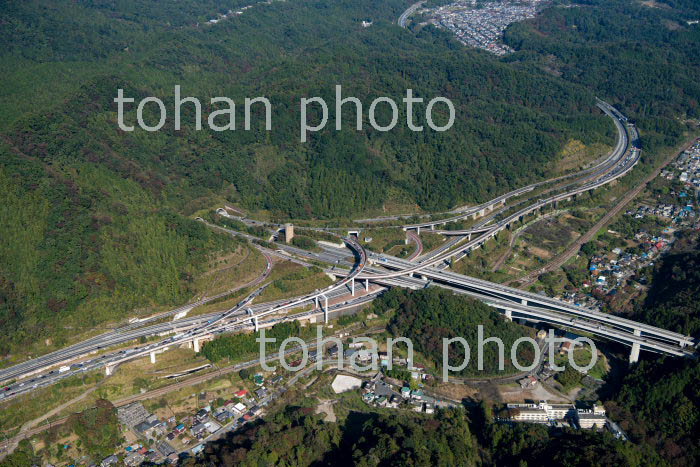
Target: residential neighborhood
{"type": "Point", "coordinates": [480, 24]}
{"type": "Point", "coordinates": [165, 440]}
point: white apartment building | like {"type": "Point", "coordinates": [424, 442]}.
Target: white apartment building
{"type": "Point", "coordinates": [541, 412]}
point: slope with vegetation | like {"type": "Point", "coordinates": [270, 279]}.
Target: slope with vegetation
{"type": "Point", "coordinates": [639, 55]}
{"type": "Point", "coordinates": [658, 401]}
{"type": "Point", "coordinates": [672, 301]}
{"type": "Point", "coordinates": [450, 437]}
{"type": "Point", "coordinates": [92, 222]}
{"type": "Point", "coordinates": [429, 316]}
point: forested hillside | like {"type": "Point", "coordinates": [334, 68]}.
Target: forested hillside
{"type": "Point", "coordinates": [450, 437]}
{"type": "Point", "coordinates": [640, 55]}
{"type": "Point", "coordinates": [509, 123]}
{"type": "Point", "coordinates": [672, 301]}
{"type": "Point", "coordinates": [430, 315]}
{"type": "Point", "coordinates": [657, 402]}
{"type": "Point", "coordinates": [92, 222]}
{"type": "Point", "coordinates": [657, 405]}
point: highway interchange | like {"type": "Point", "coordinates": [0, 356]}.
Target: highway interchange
{"type": "Point", "coordinates": [428, 269]}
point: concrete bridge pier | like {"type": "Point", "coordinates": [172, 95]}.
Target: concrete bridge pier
{"type": "Point", "coordinates": [325, 309]}
{"type": "Point", "coordinates": [509, 314]}
{"type": "Point", "coordinates": [153, 357]}
{"type": "Point", "coordinates": [195, 344]}
{"type": "Point", "coordinates": [109, 370]}
{"type": "Point", "coordinates": [418, 230]}
{"type": "Point", "coordinates": [366, 285]}
{"type": "Point", "coordinates": [255, 323]}
{"type": "Point", "coordinates": [352, 287]}
{"type": "Point", "coordinates": [523, 302]}
{"type": "Point", "coordinates": [634, 353]}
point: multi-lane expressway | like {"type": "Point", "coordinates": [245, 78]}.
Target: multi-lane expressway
{"type": "Point", "coordinates": [43, 371]}
{"type": "Point", "coordinates": [388, 271]}
{"type": "Point", "coordinates": [120, 335]}
{"type": "Point", "coordinates": [409, 11]}
{"type": "Point", "coordinates": [539, 307]}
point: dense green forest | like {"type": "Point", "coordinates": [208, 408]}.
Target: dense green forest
{"type": "Point", "coordinates": [672, 301]}
{"type": "Point", "coordinates": [509, 123]}
{"type": "Point", "coordinates": [92, 217]}
{"type": "Point", "coordinates": [84, 246]}
{"type": "Point", "coordinates": [639, 55]}
{"type": "Point", "coordinates": [292, 437]}
{"type": "Point", "coordinates": [428, 316]}
{"type": "Point", "coordinates": [657, 404]}
{"type": "Point", "coordinates": [450, 437]}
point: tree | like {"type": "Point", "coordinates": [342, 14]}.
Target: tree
{"type": "Point", "coordinates": [569, 378]}
{"type": "Point", "coordinates": [589, 248]}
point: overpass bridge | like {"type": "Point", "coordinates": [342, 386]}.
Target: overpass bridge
{"type": "Point", "coordinates": [631, 336]}
{"type": "Point", "coordinates": [233, 316]}
{"type": "Point", "coordinates": [621, 147]}
{"type": "Point", "coordinates": [535, 307]}
{"type": "Point", "coordinates": [396, 272]}
{"type": "Point", "coordinates": [614, 168]}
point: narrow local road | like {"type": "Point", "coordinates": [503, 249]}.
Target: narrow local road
{"type": "Point", "coordinates": [573, 250]}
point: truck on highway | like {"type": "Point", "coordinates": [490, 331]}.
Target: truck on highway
{"type": "Point", "coordinates": [63, 369]}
